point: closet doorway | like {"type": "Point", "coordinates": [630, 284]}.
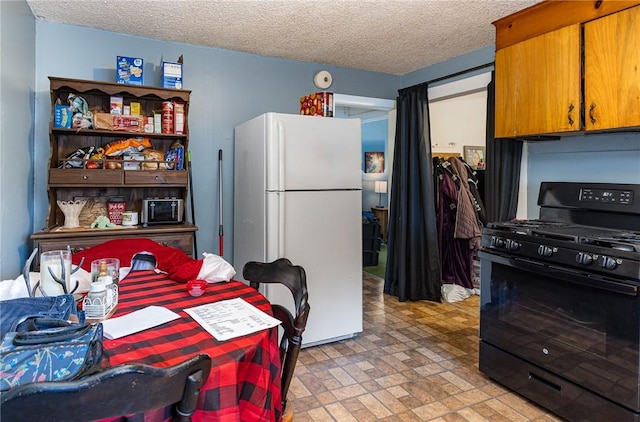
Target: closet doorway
{"type": "Point", "coordinates": [378, 136]}
{"type": "Point", "coordinates": [458, 115]}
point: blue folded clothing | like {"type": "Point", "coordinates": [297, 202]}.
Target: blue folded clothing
{"type": "Point", "coordinates": [13, 312]}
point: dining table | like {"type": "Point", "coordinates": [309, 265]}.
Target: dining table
{"type": "Point", "coordinates": [244, 383]}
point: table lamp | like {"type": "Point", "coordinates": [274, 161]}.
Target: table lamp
{"type": "Point", "coordinates": [380, 187]}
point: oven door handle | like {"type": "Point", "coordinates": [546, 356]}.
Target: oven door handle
{"type": "Point", "coordinates": [577, 277]}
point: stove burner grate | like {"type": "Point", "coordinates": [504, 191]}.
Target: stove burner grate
{"type": "Point", "coordinates": [602, 237]}
{"type": "Point", "coordinates": [626, 241]}
{"type": "Point", "coordinates": [525, 226]}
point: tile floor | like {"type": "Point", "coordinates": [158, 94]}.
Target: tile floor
{"type": "Point", "coordinates": [414, 361]}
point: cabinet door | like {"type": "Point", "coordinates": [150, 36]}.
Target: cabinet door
{"type": "Point", "coordinates": [612, 71]}
{"type": "Point", "coordinates": [505, 124]}
{"type": "Point", "coordinates": [538, 85]}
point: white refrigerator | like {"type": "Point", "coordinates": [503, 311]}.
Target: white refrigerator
{"type": "Point", "coordinates": [297, 194]}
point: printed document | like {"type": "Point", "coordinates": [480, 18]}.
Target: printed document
{"type": "Point", "coordinates": [231, 318]}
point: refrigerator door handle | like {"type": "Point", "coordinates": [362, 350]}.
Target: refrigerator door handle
{"type": "Point", "coordinates": [281, 224]}
{"type": "Point", "coordinates": [281, 163]}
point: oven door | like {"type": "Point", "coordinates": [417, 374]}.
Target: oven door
{"type": "Point", "coordinates": [581, 327]}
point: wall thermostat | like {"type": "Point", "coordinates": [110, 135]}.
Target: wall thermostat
{"type": "Point", "coordinates": [322, 79]}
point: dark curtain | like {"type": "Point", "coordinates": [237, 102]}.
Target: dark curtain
{"type": "Point", "coordinates": [413, 269]}
{"type": "Point", "coordinates": [503, 168]}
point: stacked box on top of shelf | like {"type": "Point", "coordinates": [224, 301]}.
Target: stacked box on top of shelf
{"type": "Point", "coordinates": [171, 75]}
{"type": "Point", "coordinates": [129, 70]}
{"type": "Point", "coordinates": [317, 104]}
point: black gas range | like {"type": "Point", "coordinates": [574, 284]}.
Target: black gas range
{"type": "Point", "coordinates": [560, 302]}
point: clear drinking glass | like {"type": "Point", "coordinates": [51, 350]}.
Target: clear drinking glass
{"type": "Point", "coordinates": [54, 262]}
{"type": "Point", "coordinates": [109, 267]}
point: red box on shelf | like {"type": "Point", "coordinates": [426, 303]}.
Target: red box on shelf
{"type": "Point", "coordinates": [317, 104]}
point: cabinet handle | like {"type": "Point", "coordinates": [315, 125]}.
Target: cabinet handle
{"type": "Point", "coordinates": [591, 109]}
{"type": "Point", "coordinates": [85, 177]}
{"type": "Point", "coordinates": [569, 118]}
{"type": "Point", "coordinates": [157, 177]}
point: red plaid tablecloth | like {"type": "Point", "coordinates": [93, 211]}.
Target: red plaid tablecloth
{"type": "Point", "coordinates": [244, 384]}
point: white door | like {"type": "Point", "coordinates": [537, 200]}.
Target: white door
{"type": "Point", "coordinates": [310, 152]}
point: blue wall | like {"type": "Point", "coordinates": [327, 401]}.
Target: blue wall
{"type": "Point", "coordinates": [608, 158]}
{"type": "Point", "coordinates": [374, 139]}
{"type": "Point", "coordinates": [228, 88]}
{"type": "Point", "coordinates": [17, 43]}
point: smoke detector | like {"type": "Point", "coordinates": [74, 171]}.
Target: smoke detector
{"type": "Point", "coordinates": [322, 79]}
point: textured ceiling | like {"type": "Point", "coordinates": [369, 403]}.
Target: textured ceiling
{"type": "Point", "coordinates": [390, 36]}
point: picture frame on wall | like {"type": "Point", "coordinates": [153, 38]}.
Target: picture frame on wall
{"type": "Point", "coordinates": [374, 162]}
{"type": "Point", "coordinates": [475, 156]}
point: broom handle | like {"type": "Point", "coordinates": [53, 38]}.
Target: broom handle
{"type": "Point", "coordinates": [193, 209]}
{"type": "Point", "coordinates": [220, 229]}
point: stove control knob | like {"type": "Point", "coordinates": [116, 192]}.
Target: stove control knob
{"type": "Point", "coordinates": [545, 251]}
{"type": "Point", "coordinates": [609, 263]}
{"type": "Point", "coordinates": [584, 258]}
{"type": "Point", "coordinates": [512, 245]}
{"type": "Point", "coordinates": [498, 242]}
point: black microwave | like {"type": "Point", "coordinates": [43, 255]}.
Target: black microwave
{"type": "Point", "coordinates": [162, 211]}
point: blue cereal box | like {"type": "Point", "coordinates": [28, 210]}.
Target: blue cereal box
{"type": "Point", "coordinates": [129, 70]}
{"type": "Point", "coordinates": [171, 75]}
{"type": "Point", "coordinates": [62, 116]}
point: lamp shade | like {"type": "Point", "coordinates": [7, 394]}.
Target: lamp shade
{"type": "Point", "coordinates": [380, 186]}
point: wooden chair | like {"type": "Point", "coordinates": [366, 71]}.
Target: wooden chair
{"type": "Point", "coordinates": [294, 278]}
{"type": "Point", "coordinates": [117, 391]}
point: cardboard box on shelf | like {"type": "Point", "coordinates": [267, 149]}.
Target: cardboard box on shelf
{"type": "Point", "coordinates": [148, 124]}
{"type": "Point", "coordinates": [129, 70]}
{"type": "Point", "coordinates": [116, 105]}
{"type": "Point", "coordinates": [157, 122]}
{"type": "Point", "coordinates": [135, 108]}
{"type": "Point", "coordinates": [171, 74]}
{"type": "Point", "coordinates": [62, 116]}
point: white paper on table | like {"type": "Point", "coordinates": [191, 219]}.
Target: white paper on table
{"type": "Point", "coordinates": [137, 321]}
{"type": "Point", "coordinates": [231, 318]}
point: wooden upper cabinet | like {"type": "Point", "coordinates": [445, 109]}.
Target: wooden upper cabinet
{"type": "Point", "coordinates": [564, 67]}
{"type": "Point", "coordinates": [612, 71]}
{"type": "Point", "coordinates": [538, 85]}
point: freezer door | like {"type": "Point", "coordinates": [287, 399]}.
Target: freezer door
{"type": "Point", "coordinates": [321, 231]}
{"type": "Point", "coordinates": [311, 152]}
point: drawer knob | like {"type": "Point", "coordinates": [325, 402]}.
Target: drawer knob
{"type": "Point", "coordinates": [85, 177]}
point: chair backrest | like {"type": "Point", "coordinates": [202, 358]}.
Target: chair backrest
{"type": "Point", "coordinates": [294, 278]}
{"type": "Point", "coordinates": [117, 391]}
